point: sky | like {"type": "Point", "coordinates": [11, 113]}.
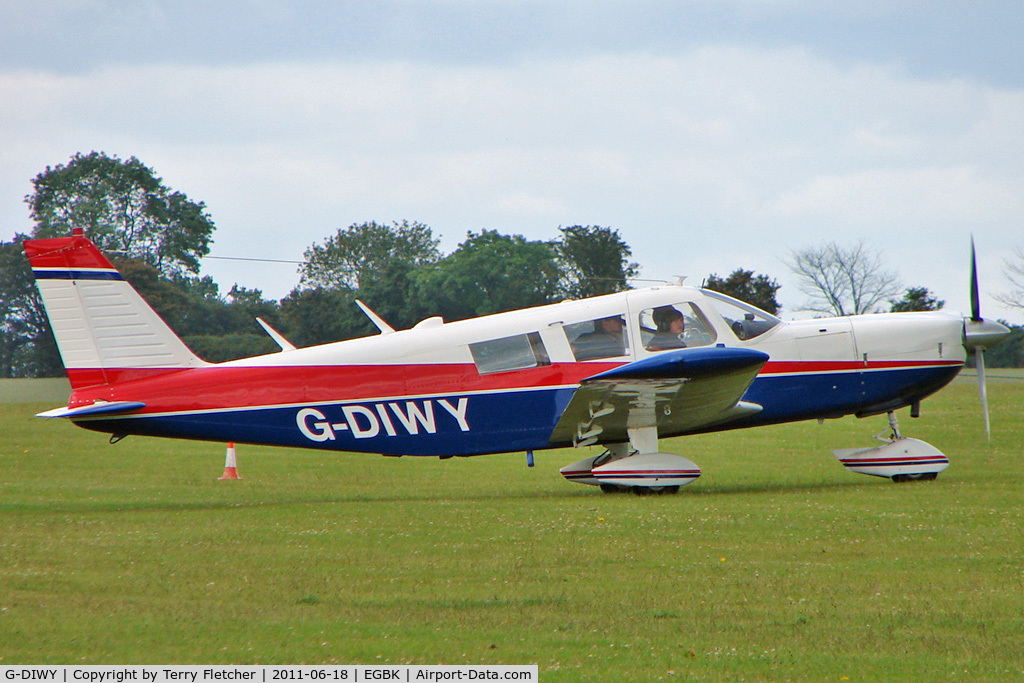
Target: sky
{"type": "Point", "coordinates": [712, 134]}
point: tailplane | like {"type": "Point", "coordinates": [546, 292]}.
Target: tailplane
{"type": "Point", "coordinates": [105, 330]}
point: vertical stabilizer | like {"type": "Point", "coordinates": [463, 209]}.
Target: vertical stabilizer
{"type": "Point", "coordinates": [105, 330]}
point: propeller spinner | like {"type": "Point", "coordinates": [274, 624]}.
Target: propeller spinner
{"type": "Point", "coordinates": [981, 334]}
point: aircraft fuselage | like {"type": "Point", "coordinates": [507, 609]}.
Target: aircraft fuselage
{"type": "Point", "coordinates": [442, 390]}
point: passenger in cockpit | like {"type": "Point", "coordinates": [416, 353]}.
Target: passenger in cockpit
{"type": "Point", "coordinates": [606, 341]}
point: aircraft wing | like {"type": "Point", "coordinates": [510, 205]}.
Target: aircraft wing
{"type": "Point", "coordinates": [676, 391]}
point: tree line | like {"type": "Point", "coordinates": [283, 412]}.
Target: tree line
{"type": "Point", "coordinates": [157, 237]}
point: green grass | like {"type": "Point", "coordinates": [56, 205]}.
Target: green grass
{"type": "Point", "coordinates": [775, 565]}
{"type": "Point", "coordinates": [55, 390]}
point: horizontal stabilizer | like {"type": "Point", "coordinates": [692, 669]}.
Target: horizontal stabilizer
{"type": "Point", "coordinates": [97, 408]}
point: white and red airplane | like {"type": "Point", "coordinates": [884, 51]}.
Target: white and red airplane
{"type": "Point", "coordinates": [620, 371]}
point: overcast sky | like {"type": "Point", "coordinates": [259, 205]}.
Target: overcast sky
{"type": "Point", "coordinates": [713, 134]}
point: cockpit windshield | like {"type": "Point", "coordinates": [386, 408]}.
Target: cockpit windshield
{"type": "Point", "coordinates": [745, 320]}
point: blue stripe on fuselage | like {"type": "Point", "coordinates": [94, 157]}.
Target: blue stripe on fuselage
{"type": "Point", "coordinates": [485, 423]}
{"type": "Point", "coordinates": [786, 398]}
{"type": "Point", "coordinates": [508, 421]}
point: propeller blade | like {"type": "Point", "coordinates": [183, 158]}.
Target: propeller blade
{"type": "Point", "coordinates": [975, 299]}
{"type": "Point", "coordinates": [979, 355]}
{"type": "Point", "coordinates": [980, 334]}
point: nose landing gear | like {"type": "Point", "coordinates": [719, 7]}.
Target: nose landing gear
{"type": "Point", "coordinates": [900, 458]}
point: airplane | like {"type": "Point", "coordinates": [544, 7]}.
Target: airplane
{"type": "Point", "coordinates": [620, 371]}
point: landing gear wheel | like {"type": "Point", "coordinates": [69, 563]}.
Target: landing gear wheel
{"type": "Point", "coordinates": [613, 488]}
{"type": "Point", "coordinates": [923, 476]}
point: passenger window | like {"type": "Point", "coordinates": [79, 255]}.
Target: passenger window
{"type": "Point", "coordinates": [674, 327]}
{"type": "Point", "coordinates": [510, 353]}
{"type": "Point", "coordinates": [601, 338]}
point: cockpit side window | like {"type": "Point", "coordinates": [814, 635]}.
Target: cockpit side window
{"type": "Point", "coordinates": [601, 338]}
{"type": "Point", "coordinates": [674, 327]}
{"type": "Point", "coordinates": [744, 320]}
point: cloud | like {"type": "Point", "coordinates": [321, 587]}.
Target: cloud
{"type": "Point", "coordinates": [935, 196]}
{"type": "Point", "coordinates": [706, 160]}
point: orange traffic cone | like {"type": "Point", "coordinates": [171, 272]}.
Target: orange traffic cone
{"type": "Point", "coordinates": [230, 465]}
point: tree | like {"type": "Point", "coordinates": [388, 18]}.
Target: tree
{"type": "Point", "coordinates": [124, 208]}
{"type": "Point", "coordinates": [916, 299]}
{"type": "Point", "coordinates": [219, 329]}
{"type": "Point", "coordinates": [359, 255]}
{"type": "Point", "coordinates": [154, 235]}
{"type": "Point", "coordinates": [155, 238]}
{"type": "Point", "coordinates": [224, 347]}
{"type": "Point", "coordinates": [756, 290]}
{"type": "Point", "coordinates": [1008, 353]}
{"type": "Point", "coordinates": [27, 346]}
{"type": "Point", "coordinates": [843, 280]}
{"type": "Point", "coordinates": [1014, 272]}
{"type": "Point", "coordinates": [594, 260]}
{"type": "Point", "coordinates": [491, 273]}
{"type": "Point", "coordinates": [319, 316]}
{"type": "Point", "coordinates": [375, 262]}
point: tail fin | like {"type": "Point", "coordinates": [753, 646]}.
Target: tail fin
{"type": "Point", "coordinates": [105, 331]}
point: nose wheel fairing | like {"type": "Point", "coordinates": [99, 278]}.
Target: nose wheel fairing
{"type": "Point", "coordinates": [903, 459]}
{"type": "Point", "coordinates": [899, 458]}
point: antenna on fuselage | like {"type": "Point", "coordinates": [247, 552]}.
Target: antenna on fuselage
{"type": "Point", "coordinates": [375, 319]}
{"type": "Point", "coordinates": [275, 335]}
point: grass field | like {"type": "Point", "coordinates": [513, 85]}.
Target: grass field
{"type": "Point", "coordinates": [775, 565]}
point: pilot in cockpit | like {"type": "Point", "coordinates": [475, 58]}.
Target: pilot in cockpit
{"type": "Point", "coordinates": [671, 327]}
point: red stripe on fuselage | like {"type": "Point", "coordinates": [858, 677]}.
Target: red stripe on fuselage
{"type": "Point", "coordinates": [81, 378]}
{"type": "Point", "coordinates": [218, 387]}
{"type": "Point", "coordinates": [228, 387]}
{"type": "Point", "coordinates": [799, 367]}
